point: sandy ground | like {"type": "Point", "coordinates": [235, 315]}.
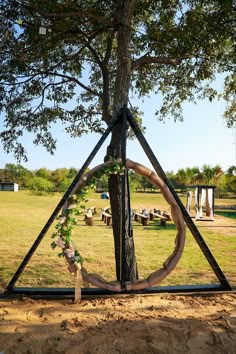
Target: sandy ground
{"type": "Point", "coordinates": [161, 323]}
{"type": "Point", "coordinates": [121, 324]}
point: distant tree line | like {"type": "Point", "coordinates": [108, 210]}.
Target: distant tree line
{"type": "Point", "coordinates": [44, 180]}
{"type": "Point", "coordinates": [38, 181]}
{"type": "Point", "coordinates": [185, 177]}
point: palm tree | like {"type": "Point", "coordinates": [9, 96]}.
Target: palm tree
{"type": "Point", "coordinates": [211, 174]}
{"type": "Point", "coordinates": [181, 177]}
{"type": "Point", "coordinates": [211, 177]}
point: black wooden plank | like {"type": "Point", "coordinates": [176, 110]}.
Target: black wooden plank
{"type": "Point", "coordinates": [60, 292]}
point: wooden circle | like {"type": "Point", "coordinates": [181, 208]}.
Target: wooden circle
{"type": "Point", "coordinates": [172, 260]}
{"type": "Point", "coordinates": [177, 217]}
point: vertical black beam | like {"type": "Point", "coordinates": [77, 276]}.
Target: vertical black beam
{"type": "Point", "coordinates": [130, 230]}
{"type": "Point", "coordinates": [61, 203]}
{"type": "Point", "coordinates": [213, 202]}
{"type": "Point", "coordinates": [123, 198]}
{"type": "Point", "coordinates": [199, 194]}
{"type": "Point", "coordinates": [202, 244]}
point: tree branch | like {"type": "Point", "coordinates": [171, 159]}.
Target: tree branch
{"type": "Point", "coordinates": [108, 50]}
{"type": "Point", "coordinates": [106, 116]}
{"type": "Point", "coordinates": [62, 15]}
{"type": "Point", "coordinates": [43, 93]}
{"type": "Point", "coordinates": [95, 93]}
{"type": "Point", "coordinates": [88, 45]}
{"type": "Point", "coordinates": [18, 83]}
{"type": "Point", "coordinates": [157, 60]}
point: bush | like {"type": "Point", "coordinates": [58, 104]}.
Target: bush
{"type": "Point", "coordinates": [40, 185]}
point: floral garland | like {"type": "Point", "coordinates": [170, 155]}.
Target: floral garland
{"type": "Point", "coordinates": [67, 221]}
{"type": "Point", "coordinates": [75, 207]}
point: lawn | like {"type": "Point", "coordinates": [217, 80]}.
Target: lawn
{"type": "Point", "coordinates": [23, 215]}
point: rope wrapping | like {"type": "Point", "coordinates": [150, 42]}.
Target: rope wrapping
{"type": "Point", "coordinates": [168, 265]}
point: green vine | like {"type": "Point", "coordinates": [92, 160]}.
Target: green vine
{"type": "Point", "coordinates": [76, 207]}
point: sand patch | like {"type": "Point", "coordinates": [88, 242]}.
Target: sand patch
{"type": "Point", "coordinates": [123, 324]}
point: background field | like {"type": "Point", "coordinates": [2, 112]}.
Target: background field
{"type": "Point", "coordinates": [24, 215]}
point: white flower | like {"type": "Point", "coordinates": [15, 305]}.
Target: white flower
{"type": "Point", "coordinates": [60, 242]}
{"type": "Point", "coordinates": [70, 253]}
{"type": "Point", "coordinates": [62, 219]}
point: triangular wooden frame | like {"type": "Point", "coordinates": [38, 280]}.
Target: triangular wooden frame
{"type": "Point", "coordinates": [126, 116]}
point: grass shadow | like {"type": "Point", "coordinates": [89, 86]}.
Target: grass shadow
{"type": "Point", "coordinates": [157, 226]}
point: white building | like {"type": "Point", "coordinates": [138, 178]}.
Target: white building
{"type": "Point", "coordinates": [8, 187]}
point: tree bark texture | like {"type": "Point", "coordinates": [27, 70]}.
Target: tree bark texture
{"type": "Point", "coordinates": [125, 9]}
{"type": "Point", "coordinates": [130, 271]}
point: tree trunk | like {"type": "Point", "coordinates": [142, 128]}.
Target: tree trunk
{"type": "Point", "coordinates": [124, 16]}
{"type": "Point", "coordinates": [129, 272]}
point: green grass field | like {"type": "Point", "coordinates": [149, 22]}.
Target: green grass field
{"type": "Point", "coordinates": [24, 215]}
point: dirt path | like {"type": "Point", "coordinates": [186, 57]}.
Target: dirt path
{"type": "Point", "coordinates": [219, 225]}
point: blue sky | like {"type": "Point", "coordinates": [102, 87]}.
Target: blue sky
{"type": "Point", "coordinates": [202, 138]}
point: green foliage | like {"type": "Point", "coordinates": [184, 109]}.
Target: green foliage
{"type": "Point", "coordinates": [64, 184]}
{"type": "Point", "coordinates": [88, 48]}
{"type": "Point", "coordinates": [135, 180]}
{"type": "Point", "coordinates": [39, 185]}
{"type": "Point", "coordinates": [230, 179]}
{"type": "Point", "coordinates": [230, 97]}
{"type": "Point", "coordinates": [43, 172]}
{"type": "Point", "coordinates": [208, 175]}
{"type": "Point", "coordinates": [76, 207]}
{"type": "Point", "coordinates": [60, 179]}
{"type": "Point", "coordinates": [17, 173]}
